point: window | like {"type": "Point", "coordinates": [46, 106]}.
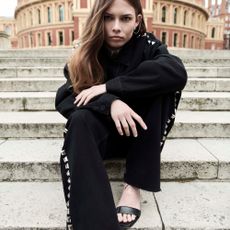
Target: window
{"type": "Point", "coordinates": [175, 39]}
{"type": "Point", "coordinates": [72, 35]}
{"type": "Point", "coordinates": [61, 13]}
{"type": "Point", "coordinates": [213, 32]}
{"type": "Point", "coordinates": [192, 42]}
{"type": "Point", "coordinates": [175, 16]}
{"type": "Point", "coordinates": [39, 39]}
{"type": "Point", "coordinates": [185, 17]}
{"type": "Point", "coordinates": [193, 20]}
{"type": "Point", "coordinates": [60, 37]}
{"type": "Point", "coordinates": [163, 16]}
{"type": "Point", "coordinates": [39, 16]}
{"type": "Point", "coordinates": [8, 30]}
{"type": "Point", "coordinates": [49, 14]}
{"type": "Point", "coordinates": [31, 18]}
{"type": "Point", "coordinates": [49, 40]}
{"type": "Point", "coordinates": [184, 40]}
{"type": "Point", "coordinates": [31, 40]}
{"type": "Point", "coordinates": [164, 37]}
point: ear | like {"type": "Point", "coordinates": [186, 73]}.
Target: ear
{"type": "Point", "coordinates": [138, 19]}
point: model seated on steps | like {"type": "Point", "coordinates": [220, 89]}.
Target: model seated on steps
{"type": "Point", "coordinates": [120, 100]}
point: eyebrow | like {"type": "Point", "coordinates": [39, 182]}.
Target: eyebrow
{"type": "Point", "coordinates": [130, 15]}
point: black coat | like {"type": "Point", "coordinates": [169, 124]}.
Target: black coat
{"type": "Point", "coordinates": [142, 70]}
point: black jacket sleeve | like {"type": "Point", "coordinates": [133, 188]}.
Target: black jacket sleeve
{"type": "Point", "coordinates": [65, 97]}
{"type": "Point", "coordinates": [160, 73]}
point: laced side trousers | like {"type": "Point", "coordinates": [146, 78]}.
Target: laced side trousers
{"type": "Point", "coordinates": [90, 138]}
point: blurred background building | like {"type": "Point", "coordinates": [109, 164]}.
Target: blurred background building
{"type": "Point", "coordinates": [178, 23]}
{"type": "Point", "coordinates": [220, 11]}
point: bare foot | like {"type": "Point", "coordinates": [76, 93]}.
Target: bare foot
{"type": "Point", "coordinates": [130, 197]}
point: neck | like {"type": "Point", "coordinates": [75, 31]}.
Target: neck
{"type": "Point", "coordinates": [113, 52]}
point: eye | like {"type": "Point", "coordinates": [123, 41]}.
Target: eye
{"type": "Point", "coordinates": [126, 18]}
{"type": "Point", "coordinates": [108, 18]}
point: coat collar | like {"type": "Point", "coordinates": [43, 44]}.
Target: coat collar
{"type": "Point", "coordinates": [124, 54]}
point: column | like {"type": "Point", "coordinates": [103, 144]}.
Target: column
{"type": "Point", "coordinates": [66, 16]}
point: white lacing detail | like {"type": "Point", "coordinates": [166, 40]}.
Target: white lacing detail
{"type": "Point", "coordinates": [66, 163]}
{"type": "Point", "coordinates": [171, 118]}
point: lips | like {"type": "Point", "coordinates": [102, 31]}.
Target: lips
{"type": "Point", "coordinates": [116, 38]}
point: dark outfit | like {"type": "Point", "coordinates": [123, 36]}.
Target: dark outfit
{"type": "Point", "coordinates": [149, 79]}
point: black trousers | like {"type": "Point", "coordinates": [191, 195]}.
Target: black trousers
{"type": "Point", "coordinates": [90, 138]}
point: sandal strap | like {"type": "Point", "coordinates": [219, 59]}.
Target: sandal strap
{"type": "Point", "coordinates": [129, 210]}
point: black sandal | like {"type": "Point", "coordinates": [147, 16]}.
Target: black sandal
{"type": "Point", "coordinates": [128, 210]}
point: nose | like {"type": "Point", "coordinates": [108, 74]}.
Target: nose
{"type": "Point", "coordinates": [116, 26]}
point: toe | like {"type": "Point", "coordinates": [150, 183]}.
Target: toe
{"type": "Point", "coordinates": [120, 218]}
{"type": "Point", "coordinates": [125, 218]}
{"type": "Point", "coordinates": [129, 217]}
{"type": "Point", "coordinates": [133, 217]}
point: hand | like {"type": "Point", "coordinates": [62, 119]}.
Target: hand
{"type": "Point", "coordinates": [124, 117]}
{"type": "Point", "coordinates": [87, 94]}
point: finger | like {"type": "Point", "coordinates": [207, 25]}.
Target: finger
{"type": "Point", "coordinates": [125, 126]}
{"type": "Point", "coordinates": [89, 97]}
{"type": "Point", "coordinates": [83, 98]}
{"type": "Point", "coordinates": [132, 125]}
{"type": "Point", "coordinates": [118, 126]}
{"type": "Point", "coordinates": [139, 120]}
{"type": "Point", "coordinates": [81, 95]}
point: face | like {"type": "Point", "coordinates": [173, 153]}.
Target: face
{"type": "Point", "coordinates": [120, 20]}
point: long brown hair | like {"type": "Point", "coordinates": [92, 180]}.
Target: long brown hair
{"type": "Point", "coordinates": [84, 66]}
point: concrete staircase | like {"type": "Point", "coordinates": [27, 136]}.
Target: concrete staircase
{"type": "Point", "coordinates": [195, 168]}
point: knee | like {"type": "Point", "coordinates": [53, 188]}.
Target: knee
{"type": "Point", "coordinates": [80, 117]}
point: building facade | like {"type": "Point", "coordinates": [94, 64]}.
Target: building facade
{"type": "Point", "coordinates": [45, 23]}
{"type": "Point", "coordinates": [57, 23]}
{"type": "Point", "coordinates": [178, 23]}
{"type": "Point", "coordinates": [221, 11]}
{"type": "Point", "coordinates": [7, 33]}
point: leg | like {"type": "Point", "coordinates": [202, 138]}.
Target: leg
{"type": "Point", "coordinates": [86, 185]}
{"type": "Point", "coordinates": [143, 159]}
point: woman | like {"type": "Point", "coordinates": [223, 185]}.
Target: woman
{"type": "Point", "coordinates": [122, 91]}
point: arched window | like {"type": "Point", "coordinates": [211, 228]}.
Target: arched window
{"type": "Point", "coordinates": [175, 39]}
{"type": "Point", "coordinates": [61, 13]}
{"type": "Point", "coordinates": [39, 16]}
{"type": "Point", "coordinates": [184, 40]}
{"type": "Point", "coordinates": [164, 37]}
{"type": "Point", "coordinates": [31, 18]}
{"type": "Point", "coordinates": [175, 16]}
{"type": "Point", "coordinates": [8, 30]}
{"type": "Point", "coordinates": [49, 14]}
{"type": "Point", "coordinates": [185, 17]}
{"type": "Point", "coordinates": [163, 14]}
{"type": "Point", "coordinates": [213, 32]}
{"type": "Point", "coordinates": [192, 42]}
{"type": "Point", "coordinates": [193, 19]}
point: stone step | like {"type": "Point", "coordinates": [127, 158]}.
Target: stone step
{"type": "Point", "coordinates": [60, 61]}
{"type": "Point", "coordinates": [208, 84]}
{"type": "Point", "coordinates": [33, 62]}
{"type": "Point", "coordinates": [181, 159]}
{"type": "Point", "coordinates": [42, 71]}
{"type": "Point", "coordinates": [37, 101]}
{"type": "Point", "coordinates": [51, 124]}
{"type": "Point", "coordinates": [217, 62]}
{"type": "Point", "coordinates": [192, 205]}
{"type": "Point", "coordinates": [208, 71]}
{"type": "Point", "coordinates": [32, 84]}
{"type": "Point", "coordinates": [25, 72]}
{"type": "Point", "coordinates": [205, 101]}
{"type": "Point", "coordinates": [52, 84]}
{"type": "Point", "coordinates": [65, 52]}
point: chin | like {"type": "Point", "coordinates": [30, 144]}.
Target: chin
{"type": "Point", "coordinates": [116, 45]}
